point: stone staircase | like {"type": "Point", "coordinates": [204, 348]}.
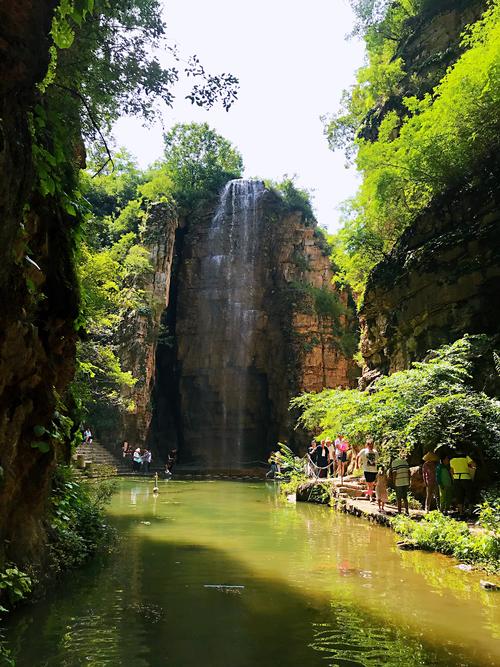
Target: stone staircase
{"type": "Point", "coordinates": [99, 455]}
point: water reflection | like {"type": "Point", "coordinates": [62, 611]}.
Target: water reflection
{"type": "Point", "coordinates": [318, 589]}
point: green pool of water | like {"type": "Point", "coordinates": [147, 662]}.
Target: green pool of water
{"type": "Point", "coordinates": [225, 574]}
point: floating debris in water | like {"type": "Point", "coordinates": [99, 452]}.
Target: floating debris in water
{"type": "Point", "coordinates": [226, 588]}
{"type": "Point", "coordinates": [149, 611]}
{"type": "Point", "coordinates": [146, 523]}
{"type": "Point", "coordinates": [489, 585]}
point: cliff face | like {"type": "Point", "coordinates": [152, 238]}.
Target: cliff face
{"type": "Point", "coordinates": [140, 330]}
{"type": "Point", "coordinates": [38, 292]}
{"type": "Point", "coordinates": [432, 45]}
{"type": "Point", "coordinates": [442, 279]}
{"type": "Point", "coordinates": [247, 336]}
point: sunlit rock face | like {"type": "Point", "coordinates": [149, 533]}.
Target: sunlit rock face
{"type": "Point", "coordinates": [247, 338]}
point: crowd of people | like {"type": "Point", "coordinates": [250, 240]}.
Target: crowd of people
{"type": "Point", "coordinates": [140, 459]}
{"type": "Point", "coordinates": [447, 476]}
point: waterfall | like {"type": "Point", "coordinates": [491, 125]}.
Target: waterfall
{"type": "Point", "coordinates": [228, 311]}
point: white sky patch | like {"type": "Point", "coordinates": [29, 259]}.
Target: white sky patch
{"type": "Point", "coordinates": [293, 61]}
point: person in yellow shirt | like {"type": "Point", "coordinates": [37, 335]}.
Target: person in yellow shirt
{"type": "Point", "coordinates": [462, 469]}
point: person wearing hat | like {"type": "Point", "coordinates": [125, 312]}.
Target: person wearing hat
{"type": "Point", "coordinates": [430, 480]}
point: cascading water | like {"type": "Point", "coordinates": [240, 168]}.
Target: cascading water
{"type": "Point", "coordinates": [228, 304]}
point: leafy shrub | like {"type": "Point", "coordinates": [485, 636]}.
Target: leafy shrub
{"type": "Point", "coordinates": [77, 523]}
{"type": "Point", "coordinates": [294, 198]}
{"type": "Point", "coordinates": [453, 538]}
{"type": "Point", "coordinates": [430, 405]}
{"type": "Point", "coordinates": [489, 515]}
{"type": "Point", "coordinates": [15, 583]}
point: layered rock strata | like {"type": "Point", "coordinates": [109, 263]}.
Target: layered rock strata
{"type": "Point", "coordinates": [441, 280]}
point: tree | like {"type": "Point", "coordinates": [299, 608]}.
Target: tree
{"type": "Point", "coordinates": [432, 404]}
{"type": "Point", "coordinates": [426, 147]}
{"type": "Point", "coordinates": [199, 161]}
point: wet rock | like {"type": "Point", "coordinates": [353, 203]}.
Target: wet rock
{"type": "Point", "coordinates": [406, 545]}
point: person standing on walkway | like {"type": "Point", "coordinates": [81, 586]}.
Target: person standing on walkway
{"type": "Point", "coordinates": [462, 468]}
{"type": "Point", "coordinates": [429, 474]}
{"type": "Point", "coordinates": [381, 489]}
{"type": "Point", "coordinates": [332, 457]}
{"type": "Point", "coordinates": [341, 454]}
{"type": "Point", "coordinates": [137, 459]}
{"type": "Point", "coordinates": [311, 459]}
{"type": "Point", "coordinates": [445, 483]}
{"type": "Point", "coordinates": [322, 459]}
{"type": "Point", "coordinates": [368, 457]}
{"type": "Point", "coordinates": [146, 461]}
{"type": "Point", "coordinates": [400, 474]}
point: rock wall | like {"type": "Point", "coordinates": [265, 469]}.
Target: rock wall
{"type": "Point", "coordinates": [441, 280]}
{"type": "Point", "coordinates": [38, 292]}
{"type": "Point", "coordinates": [247, 336]}
{"type": "Point", "coordinates": [432, 45]}
{"type": "Point", "coordinates": [442, 277]}
{"type": "Point", "coordinates": [141, 330]}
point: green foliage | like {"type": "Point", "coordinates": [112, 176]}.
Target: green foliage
{"type": "Point", "coordinates": [439, 533]}
{"type": "Point", "coordinates": [435, 143]}
{"type": "Point", "coordinates": [15, 583]}
{"type": "Point", "coordinates": [292, 470]}
{"type": "Point", "coordinates": [76, 519]}
{"type": "Point", "coordinates": [294, 198]}
{"type": "Point", "coordinates": [198, 162]}
{"type": "Point", "coordinates": [489, 515]}
{"type": "Point", "coordinates": [428, 406]}
{"type": "Point", "coordinates": [104, 55]}
{"type": "Point", "coordinates": [325, 303]}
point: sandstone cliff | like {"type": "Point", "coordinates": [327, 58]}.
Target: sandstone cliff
{"type": "Point", "coordinates": [140, 330]}
{"type": "Point", "coordinates": [441, 280]}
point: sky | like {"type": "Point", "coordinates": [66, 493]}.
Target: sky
{"type": "Point", "coordinates": [293, 61]}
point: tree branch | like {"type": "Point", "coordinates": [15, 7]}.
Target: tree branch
{"type": "Point", "coordinates": [95, 124]}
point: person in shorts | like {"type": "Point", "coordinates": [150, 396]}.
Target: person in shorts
{"type": "Point", "coordinates": [400, 475]}
{"type": "Point", "coordinates": [368, 457]}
